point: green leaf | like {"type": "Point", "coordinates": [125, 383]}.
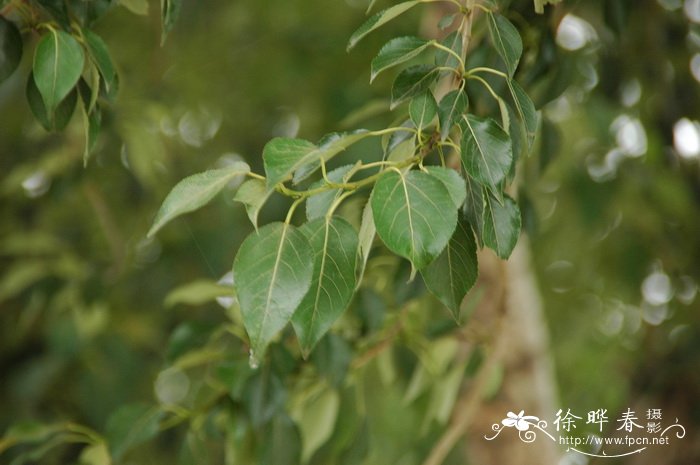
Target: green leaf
{"type": "Point", "coordinates": [450, 276]}
{"type": "Point", "coordinates": [474, 207]}
{"type": "Point", "coordinates": [446, 21]}
{"type": "Point", "coordinates": [395, 52]}
{"type": "Point", "coordinates": [317, 205]}
{"type": "Point", "coordinates": [130, 426]}
{"type": "Point", "coordinates": [334, 243]}
{"type": "Point", "coordinates": [253, 194]}
{"type": "Point", "coordinates": [170, 10]}
{"type": "Point", "coordinates": [328, 147]}
{"type": "Point", "coordinates": [57, 120]}
{"type": "Point", "coordinates": [366, 238]}
{"type": "Point", "coordinates": [273, 273]}
{"type": "Point", "coordinates": [197, 293]}
{"type": "Point", "coordinates": [91, 125]}
{"type": "Point", "coordinates": [95, 454]}
{"type": "Point", "coordinates": [282, 156]}
{"type": "Point", "coordinates": [10, 48]}
{"type": "Point", "coordinates": [378, 20]}
{"type": "Point", "coordinates": [453, 182]}
{"type": "Point", "coordinates": [64, 111]}
{"type": "Point", "coordinates": [58, 64]}
{"type": "Point", "coordinates": [453, 41]}
{"type": "Point", "coordinates": [57, 9]}
{"type": "Point", "coordinates": [526, 110]}
{"type": "Point", "coordinates": [139, 7]}
{"type": "Point", "coordinates": [99, 53]}
{"type": "Point", "coordinates": [501, 225]}
{"type": "Point", "coordinates": [423, 109]}
{"type": "Point", "coordinates": [282, 445]}
{"type": "Point", "coordinates": [414, 215]}
{"type": "Point", "coordinates": [451, 108]}
{"type": "Point", "coordinates": [412, 81]}
{"type": "Point", "coordinates": [487, 152]}
{"type": "Point", "coordinates": [506, 40]}
{"type": "Point", "coordinates": [194, 192]}
{"type": "Point", "coordinates": [316, 416]}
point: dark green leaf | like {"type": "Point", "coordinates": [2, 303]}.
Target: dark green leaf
{"type": "Point", "coordinates": [453, 182]}
{"type": "Point", "coordinates": [130, 426]}
{"type": "Point", "coordinates": [451, 108]}
{"type": "Point", "coordinates": [423, 109]}
{"type": "Point", "coordinates": [450, 276]}
{"type": "Point", "coordinates": [273, 273]}
{"type": "Point", "coordinates": [378, 20]}
{"type": "Point", "coordinates": [58, 64]}
{"type": "Point", "coordinates": [526, 110]}
{"type": "Point", "coordinates": [317, 205]}
{"type": "Point", "coordinates": [91, 125]}
{"type": "Point", "coordinates": [194, 192]}
{"type": "Point", "coordinates": [414, 215]}
{"type": "Point", "coordinates": [282, 156]}
{"type": "Point", "coordinates": [10, 48]}
{"type": "Point", "coordinates": [334, 243]}
{"type": "Point", "coordinates": [252, 194]}
{"type": "Point", "coordinates": [487, 152]}
{"type": "Point", "coordinates": [397, 51]}
{"type": "Point", "coordinates": [366, 238]}
{"type": "Point", "coordinates": [328, 147]}
{"type": "Point", "coordinates": [412, 81]}
{"type": "Point", "coordinates": [501, 225]}
{"type": "Point", "coordinates": [453, 41]}
{"type": "Point", "coordinates": [36, 104]}
{"type": "Point", "coordinates": [282, 445]}
{"type": "Point", "coordinates": [64, 111]}
{"type": "Point", "coordinates": [57, 9]}
{"type": "Point", "coordinates": [474, 207]}
{"type": "Point", "coordinates": [170, 10]}
{"type": "Point", "coordinates": [506, 40]}
{"type": "Point", "coordinates": [99, 53]}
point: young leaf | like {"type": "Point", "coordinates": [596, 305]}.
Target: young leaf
{"type": "Point", "coordinates": [412, 81]}
{"type": "Point", "coordinates": [450, 276]}
{"type": "Point", "coordinates": [414, 215]}
{"type": "Point", "coordinates": [378, 20]}
{"type": "Point", "coordinates": [273, 273]}
{"type": "Point", "coordinates": [526, 110]}
{"type": "Point", "coordinates": [501, 225]}
{"type": "Point", "coordinates": [282, 156]}
{"type": "Point", "coordinates": [330, 146]}
{"type": "Point", "coordinates": [194, 192]}
{"type": "Point", "coordinates": [131, 425]}
{"type": "Point", "coordinates": [453, 182]}
{"type": "Point", "coordinates": [317, 205]}
{"type": "Point", "coordinates": [253, 194]}
{"type": "Point", "coordinates": [58, 63]}
{"type": "Point", "coordinates": [99, 53]}
{"type": "Point", "coordinates": [10, 48]}
{"type": "Point", "coordinates": [451, 108]}
{"type": "Point", "coordinates": [506, 40]}
{"type": "Point", "coordinates": [486, 151]}
{"type": "Point", "coordinates": [422, 109]}
{"type": "Point", "coordinates": [334, 243]}
{"type": "Point", "coordinates": [395, 52]}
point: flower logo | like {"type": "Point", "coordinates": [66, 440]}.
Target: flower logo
{"type": "Point", "coordinates": [520, 421]}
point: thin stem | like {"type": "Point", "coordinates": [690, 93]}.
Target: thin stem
{"type": "Point", "coordinates": [255, 176]}
{"type": "Point", "coordinates": [337, 203]}
{"type": "Point", "coordinates": [294, 206]}
{"type": "Point", "coordinates": [483, 69]}
{"type": "Point", "coordinates": [439, 46]}
{"type": "Point", "coordinates": [487, 85]}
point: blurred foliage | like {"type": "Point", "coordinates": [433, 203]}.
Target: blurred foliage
{"type": "Point", "coordinates": [85, 337]}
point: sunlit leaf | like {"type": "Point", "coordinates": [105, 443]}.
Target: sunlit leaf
{"type": "Point", "coordinates": [194, 192]}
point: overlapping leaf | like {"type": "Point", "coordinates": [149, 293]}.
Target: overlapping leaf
{"type": "Point", "coordinates": [423, 109]}
{"type": "Point", "coordinates": [453, 182]}
{"type": "Point", "coordinates": [378, 20]}
{"type": "Point", "coordinates": [450, 276]}
{"type": "Point", "coordinates": [334, 243]}
{"type": "Point", "coordinates": [58, 64]}
{"type": "Point", "coordinates": [252, 194]}
{"type": "Point", "coordinates": [273, 272]}
{"type": "Point", "coordinates": [506, 40]}
{"type": "Point", "coordinates": [450, 110]}
{"type": "Point", "coordinates": [412, 81]}
{"type": "Point", "coordinates": [526, 110]}
{"type": "Point", "coordinates": [395, 52]}
{"type": "Point", "coordinates": [317, 205]}
{"type": "Point", "coordinates": [501, 225]}
{"type": "Point", "coordinates": [487, 152]}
